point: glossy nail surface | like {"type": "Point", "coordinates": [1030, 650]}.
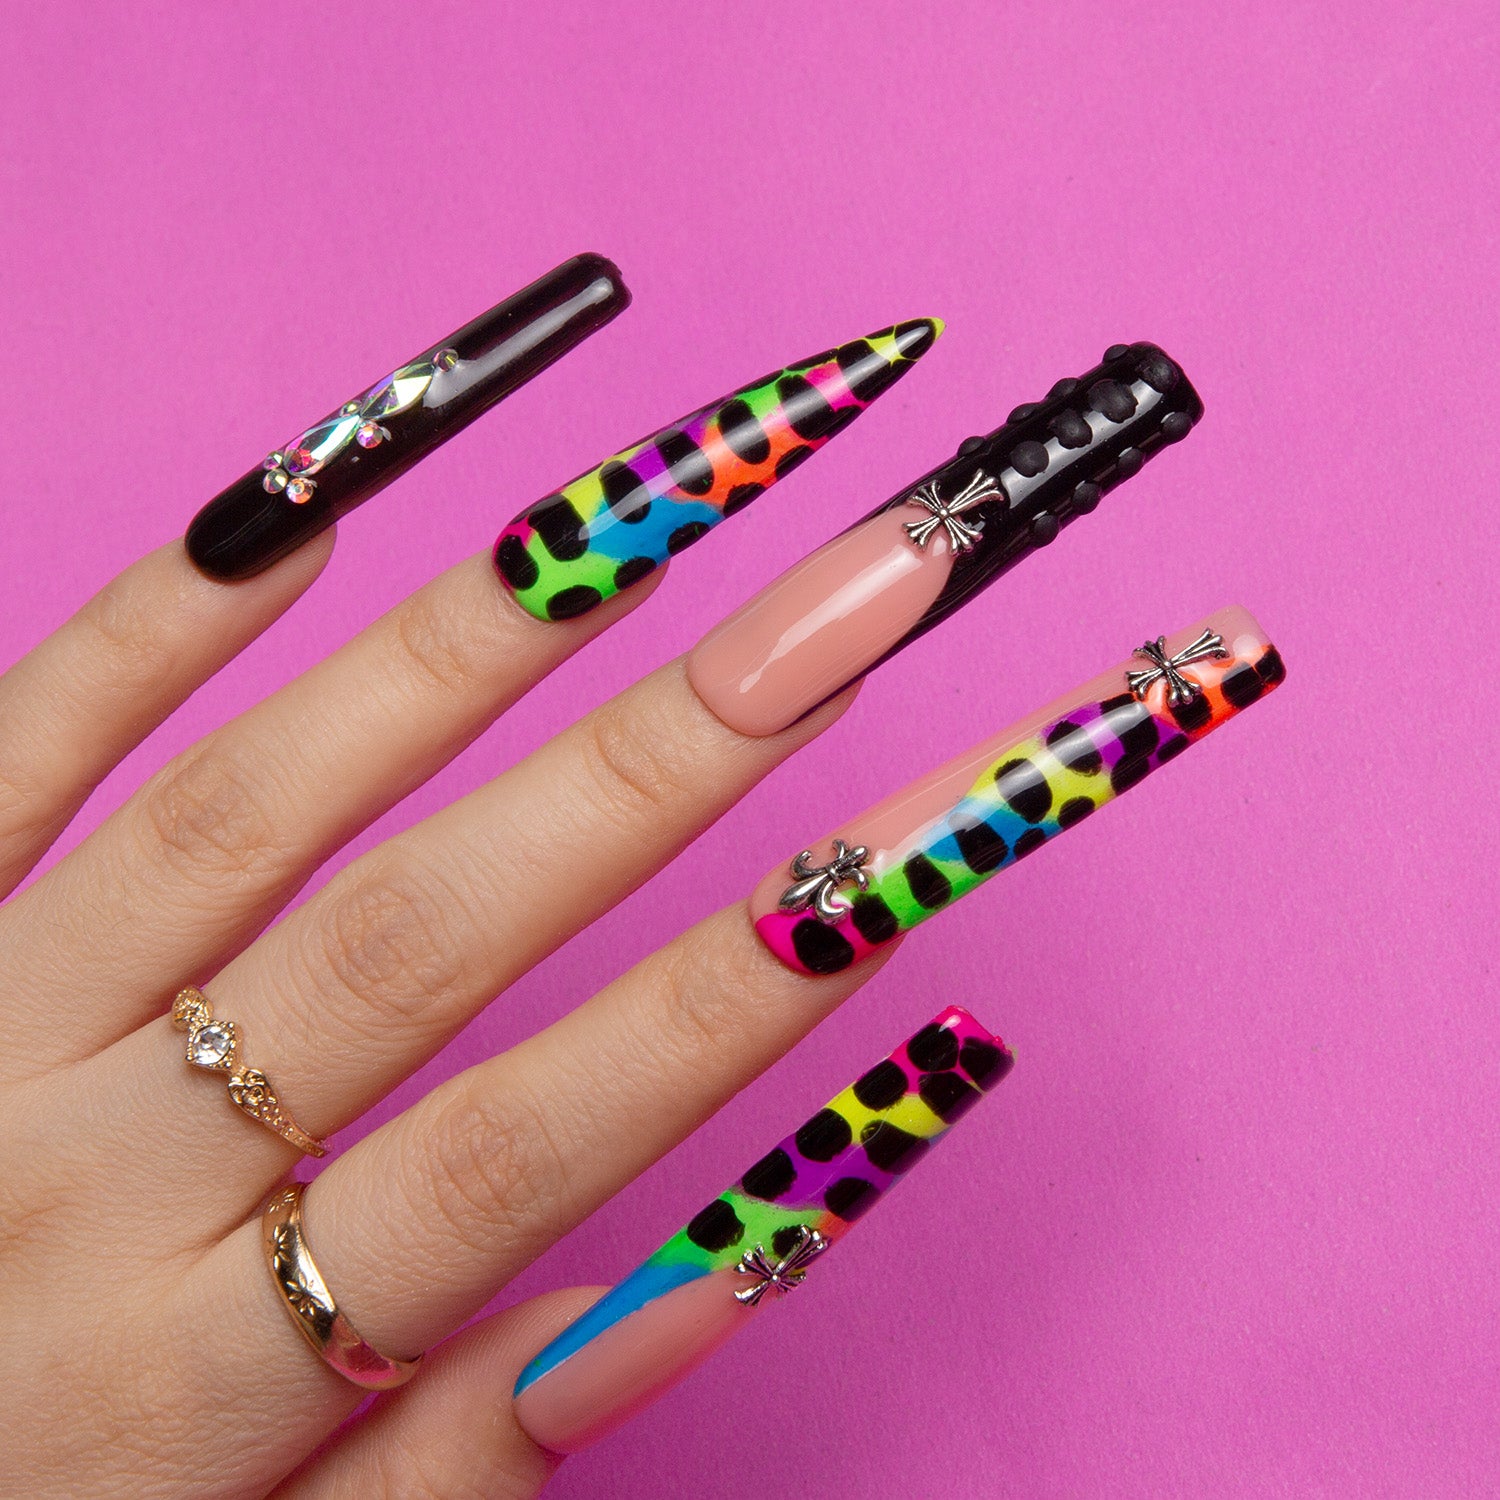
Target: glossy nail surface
{"type": "Point", "coordinates": [936, 543]}
{"type": "Point", "coordinates": [906, 859]}
{"type": "Point", "coordinates": [305, 485]}
{"type": "Point", "coordinates": [610, 527]}
{"type": "Point", "coordinates": [757, 1241]}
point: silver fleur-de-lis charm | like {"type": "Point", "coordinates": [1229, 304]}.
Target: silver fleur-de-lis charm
{"type": "Point", "coordinates": [815, 885]}
{"type": "Point", "coordinates": [783, 1274]}
{"type": "Point", "coordinates": [1164, 668]}
{"type": "Point", "coordinates": [949, 514]}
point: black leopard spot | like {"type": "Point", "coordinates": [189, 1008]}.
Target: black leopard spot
{"type": "Point", "coordinates": [947, 1095]}
{"type": "Point", "coordinates": [1073, 745]}
{"type": "Point", "coordinates": [819, 948]}
{"type": "Point", "coordinates": [1032, 839]}
{"type": "Point", "coordinates": [1172, 749]}
{"type": "Point", "coordinates": [716, 1228]}
{"type": "Point", "coordinates": [568, 604]}
{"type": "Point", "coordinates": [882, 1086]}
{"type": "Point", "coordinates": [1242, 686]}
{"type": "Point", "coordinates": [934, 1049]}
{"type": "Point", "coordinates": [1270, 668]}
{"type": "Point", "coordinates": [686, 535]}
{"type": "Point", "coordinates": [517, 566]}
{"type": "Point", "coordinates": [893, 1150]}
{"type": "Point", "coordinates": [1132, 724]}
{"type": "Point", "coordinates": [742, 431]}
{"type": "Point", "coordinates": [792, 460]}
{"type": "Point", "coordinates": [632, 570]}
{"type": "Point", "coordinates": [982, 848]}
{"type": "Point", "coordinates": [628, 499]}
{"type": "Point", "coordinates": [771, 1176]}
{"type": "Point", "coordinates": [786, 1239]}
{"type": "Point", "coordinates": [842, 418]}
{"type": "Point", "coordinates": [873, 919]}
{"type": "Point", "coordinates": [824, 1136]}
{"type": "Point", "coordinates": [1129, 771]}
{"type": "Point", "coordinates": [915, 337]}
{"type": "Point", "coordinates": [740, 496]}
{"type": "Point", "coordinates": [984, 1062]}
{"type": "Point", "coordinates": [1193, 714]}
{"type": "Point", "coordinates": [928, 883]}
{"type": "Point", "coordinates": [1074, 810]}
{"type": "Point", "coordinates": [866, 371]}
{"type": "Point", "coordinates": [1025, 789]}
{"type": "Point", "coordinates": [691, 470]}
{"type": "Point", "coordinates": [560, 527]}
{"type": "Point", "coordinates": [850, 1197]}
{"type": "Point", "coordinates": [807, 411]}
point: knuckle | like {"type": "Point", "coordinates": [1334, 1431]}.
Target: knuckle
{"type": "Point", "coordinates": [207, 820]}
{"type": "Point", "coordinates": [629, 763]}
{"type": "Point", "coordinates": [437, 647]}
{"type": "Point", "coordinates": [123, 637]}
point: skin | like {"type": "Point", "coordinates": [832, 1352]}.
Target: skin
{"type": "Point", "coordinates": [146, 1351]}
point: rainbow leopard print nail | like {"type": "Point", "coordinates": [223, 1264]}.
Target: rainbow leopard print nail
{"type": "Point", "coordinates": [916, 853]}
{"type": "Point", "coordinates": [760, 1239]}
{"type": "Point", "coordinates": [613, 526]}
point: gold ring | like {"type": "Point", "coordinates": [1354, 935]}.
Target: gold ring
{"type": "Point", "coordinates": [213, 1045]}
{"type": "Point", "coordinates": [311, 1304]}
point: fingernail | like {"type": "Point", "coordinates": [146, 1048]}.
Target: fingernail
{"type": "Point", "coordinates": [304, 486]}
{"type": "Point", "coordinates": [756, 1242]}
{"type": "Point", "coordinates": [919, 851]}
{"type": "Point", "coordinates": [934, 545]}
{"type": "Point", "coordinates": [614, 525]}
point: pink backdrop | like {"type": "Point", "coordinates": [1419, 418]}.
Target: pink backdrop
{"type": "Point", "coordinates": [1230, 1227]}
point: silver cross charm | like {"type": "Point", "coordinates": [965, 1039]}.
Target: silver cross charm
{"type": "Point", "coordinates": [949, 513]}
{"type": "Point", "coordinates": [783, 1274]}
{"type": "Point", "coordinates": [1164, 668]}
{"type": "Point", "coordinates": [815, 884]}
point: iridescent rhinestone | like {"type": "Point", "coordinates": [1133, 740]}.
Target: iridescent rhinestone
{"type": "Point", "coordinates": [371, 435]}
{"type": "Point", "coordinates": [273, 461]}
{"type": "Point", "coordinates": [275, 481]}
{"type": "Point", "coordinates": [212, 1045]}
{"type": "Point", "coordinates": [318, 444]}
{"type": "Point", "coordinates": [399, 391]}
{"type": "Point", "coordinates": [445, 359]}
{"type": "Point", "coordinates": [350, 406]}
{"type": "Point", "coordinates": [300, 491]}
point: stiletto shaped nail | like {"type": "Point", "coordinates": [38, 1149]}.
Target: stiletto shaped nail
{"type": "Point", "coordinates": [306, 484]}
{"type": "Point", "coordinates": [614, 525]}
{"type": "Point", "coordinates": [758, 1241]}
{"type": "Point", "coordinates": [934, 842]}
{"type": "Point", "coordinates": [932, 546]}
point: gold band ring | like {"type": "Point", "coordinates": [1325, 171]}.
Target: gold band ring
{"type": "Point", "coordinates": [311, 1304]}
{"type": "Point", "coordinates": [213, 1045]}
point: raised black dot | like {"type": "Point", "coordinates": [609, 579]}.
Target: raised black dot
{"type": "Point", "coordinates": [984, 1062]}
{"type": "Point", "coordinates": [1074, 746]}
{"type": "Point", "coordinates": [568, 604]}
{"type": "Point", "coordinates": [866, 371]}
{"type": "Point", "coordinates": [893, 1149]}
{"type": "Point", "coordinates": [1112, 399]}
{"type": "Point", "coordinates": [1071, 429]}
{"type": "Point", "coordinates": [1176, 425]}
{"type": "Point", "coordinates": [771, 1176]}
{"type": "Point", "coordinates": [792, 460]}
{"type": "Point", "coordinates": [1128, 772]}
{"type": "Point", "coordinates": [743, 433]}
{"type": "Point", "coordinates": [882, 1086]}
{"type": "Point", "coordinates": [1074, 810]}
{"type": "Point", "coordinates": [915, 337]}
{"type": "Point", "coordinates": [1024, 788]}
{"type": "Point", "coordinates": [819, 948]}
{"type": "Point", "coordinates": [1242, 686]}
{"type": "Point", "coordinates": [716, 1228]}
{"type": "Point", "coordinates": [873, 919]}
{"type": "Point", "coordinates": [824, 1136]}
{"type": "Point", "coordinates": [948, 1095]}
{"type": "Point", "coordinates": [842, 418]}
{"type": "Point", "coordinates": [850, 1197]}
{"type": "Point", "coordinates": [970, 446]}
{"type": "Point", "coordinates": [928, 883]}
{"type": "Point", "coordinates": [1193, 714]}
{"type": "Point", "coordinates": [517, 566]}
{"type": "Point", "coordinates": [1270, 668]}
{"type": "Point", "coordinates": [1028, 458]}
{"type": "Point", "coordinates": [1029, 841]}
{"type": "Point", "coordinates": [1044, 527]}
{"type": "Point", "coordinates": [1024, 412]}
{"type": "Point", "coordinates": [806, 408]}
{"type": "Point", "coordinates": [1129, 461]}
{"type": "Point", "coordinates": [560, 527]}
{"type": "Point", "coordinates": [817, 359]}
{"type": "Point", "coordinates": [632, 570]}
{"type": "Point", "coordinates": [691, 470]}
{"type": "Point", "coordinates": [982, 848]}
{"type": "Point", "coordinates": [934, 1049]}
{"type": "Point", "coordinates": [1158, 372]}
{"type": "Point", "coordinates": [1086, 495]}
{"type": "Point", "coordinates": [1172, 749]}
{"type": "Point", "coordinates": [685, 535]}
{"type": "Point", "coordinates": [786, 1239]}
{"type": "Point", "coordinates": [1064, 387]}
{"type": "Point", "coordinates": [740, 496]}
{"type": "Point", "coordinates": [627, 497]}
{"type": "Point", "coordinates": [1114, 352]}
{"type": "Point", "coordinates": [1130, 722]}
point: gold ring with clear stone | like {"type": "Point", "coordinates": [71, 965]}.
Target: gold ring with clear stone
{"type": "Point", "coordinates": [214, 1046]}
{"type": "Point", "coordinates": [311, 1304]}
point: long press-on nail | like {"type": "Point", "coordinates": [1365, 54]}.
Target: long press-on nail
{"type": "Point", "coordinates": [304, 486]}
{"type": "Point", "coordinates": [610, 527]}
{"type": "Point", "coordinates": [932, 546]}
{"type": "Point", "coordinates": [757, 1241]}
{"type": "Point", "coordinates": [912, 855]}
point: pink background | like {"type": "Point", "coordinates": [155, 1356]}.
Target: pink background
{"type": "Point", "coordinates": [1230, 1228]}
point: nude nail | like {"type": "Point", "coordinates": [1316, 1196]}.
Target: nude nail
{"type": "Point", "coordinates": [936, 543]}
{"type": "Point", "coordinates": [757, 1241]}
{"type": "Point", "coordinates": [910, 856]}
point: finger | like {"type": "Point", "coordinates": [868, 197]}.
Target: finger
{"type": "Point", "coordinates": [451, 1431]}
{"type": "Point", "coordinates": [93, 690]}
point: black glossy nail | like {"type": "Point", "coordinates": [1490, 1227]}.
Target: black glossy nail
{"type": "Point", "coordinates": [304, 486]}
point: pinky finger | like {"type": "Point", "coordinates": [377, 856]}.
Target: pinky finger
{"type": "Point", "coordinates": [452, 1432]}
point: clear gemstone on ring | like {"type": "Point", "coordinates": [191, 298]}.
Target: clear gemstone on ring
{"type": "Point", "coordinates": [210, 1045]}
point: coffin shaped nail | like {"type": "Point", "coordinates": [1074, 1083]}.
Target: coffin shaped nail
{"type": "Point", "coordinates": [933, 545]}
{"type": "Point", "coordinates": [914, 854]}
{"type": "Point", "coordinates": [759, 1240]}
{"type": "Point", "coordinates": [610, 527]}
{"type": "Point", "coordinates": [306, 484]}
